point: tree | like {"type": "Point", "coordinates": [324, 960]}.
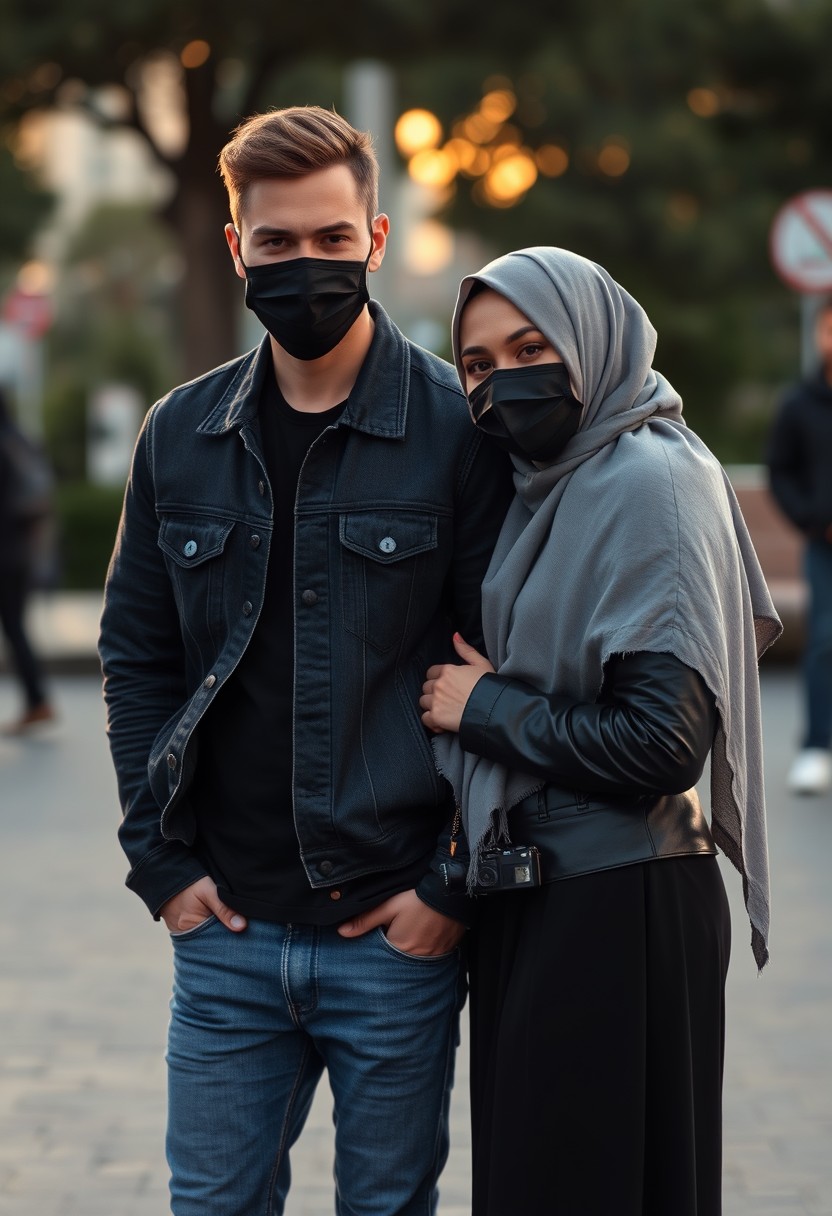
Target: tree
{"type": "Point", "coordinates": [234, 59]}
{"type": "Point", "coordinates": [679, 131]}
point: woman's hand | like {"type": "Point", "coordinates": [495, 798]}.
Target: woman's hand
{"type": "Point", "coordinates": [448, 686]}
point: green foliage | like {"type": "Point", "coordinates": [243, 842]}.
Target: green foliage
{"type": "Point", "coordinates": [685, 228]}
{"type": "Point", "coordinates": [114, 323]}
{"type": "Point", "coordinates": [25, 207]}
{"type": "Point", "coordinates": [87, 523]}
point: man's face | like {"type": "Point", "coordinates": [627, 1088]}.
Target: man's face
{"type": "Point", "coordinates": [823, 337]}
{"type": "Point", "coordinates": [316, 216]}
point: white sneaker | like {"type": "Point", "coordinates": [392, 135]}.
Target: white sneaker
{"type": "Point", "coordinates": [811, 772]}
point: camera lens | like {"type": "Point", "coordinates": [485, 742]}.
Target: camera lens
{"type": "Point", "coordinates": [487, 876]}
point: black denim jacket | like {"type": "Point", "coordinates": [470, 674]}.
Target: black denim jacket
{"type": "Point", "coordinates": [398, 507]}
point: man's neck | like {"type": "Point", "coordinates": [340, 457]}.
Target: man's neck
{"type": "Point", "coordinates": [318, 384]}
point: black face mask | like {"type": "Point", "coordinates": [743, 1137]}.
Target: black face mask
{"type": "Point", "coordinates": [527, 410]}
{"type": "Point", "coordinates": [307, 304]}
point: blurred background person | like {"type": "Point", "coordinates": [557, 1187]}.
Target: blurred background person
{"type": "Point", "coordinates": [24, 502]}
{"type": "Point", "coordinates": [800, 476]}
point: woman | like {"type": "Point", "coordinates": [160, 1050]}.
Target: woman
{"type": "Point", "coordinates": [624, 612]}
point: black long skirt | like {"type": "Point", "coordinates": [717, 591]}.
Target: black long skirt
{"type": "Point", "coordinates": [597, 1039]}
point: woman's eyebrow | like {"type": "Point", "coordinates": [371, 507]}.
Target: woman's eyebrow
{"type": "Point", "coordinates": [518, 333]}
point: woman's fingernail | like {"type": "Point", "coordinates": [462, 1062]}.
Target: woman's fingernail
{"type": "Point", "coordinates": [237, 922]}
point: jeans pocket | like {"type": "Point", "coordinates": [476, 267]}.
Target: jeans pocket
{"type": "Point", "coordinates": [197, 929]}
{"type": "Point", "coordinates": [416, 958]}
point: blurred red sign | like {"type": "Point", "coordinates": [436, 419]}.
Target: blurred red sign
{"type": "Point", "coordinates": [31, 314]}
{"type": "Point", "coordinates": [801, 241]}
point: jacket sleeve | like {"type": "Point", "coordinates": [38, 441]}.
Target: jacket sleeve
{"type": "Point", "coordinates": [787, 467]}
{"type": "Point", "coordinates": [651, 729]}
{"type": "Point", "coordinates": [485, 489]}
{"type": "Point", "coordinates": [484, 492]}
{"type": "Point", "coordinates": [144, 686]}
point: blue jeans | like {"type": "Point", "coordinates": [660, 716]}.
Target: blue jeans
{"type": "Point", "coordinates": [257, 1016]}
{"type": "Point", "coordinates": [818, 656]}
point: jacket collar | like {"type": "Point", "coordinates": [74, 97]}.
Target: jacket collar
{"type": "Point", "coordinates": [377, 404]}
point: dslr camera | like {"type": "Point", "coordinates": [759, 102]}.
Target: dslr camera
{"type": "Point", "coordinates": [512, 869]}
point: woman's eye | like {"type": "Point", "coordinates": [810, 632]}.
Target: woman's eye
{"type": "Point", "coordinates": [480, 367]}
{"type": "Point", "coordinates": [531, 349]}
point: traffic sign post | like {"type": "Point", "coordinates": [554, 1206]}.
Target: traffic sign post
{"type": "Point", "coordinates": [800, 244]}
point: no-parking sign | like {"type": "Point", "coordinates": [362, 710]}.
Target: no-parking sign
{"type": "Point", "coordinates": [801, 241]}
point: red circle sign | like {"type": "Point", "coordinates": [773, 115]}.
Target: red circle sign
{"type": "Point", "coordinates": [801, 241]}
{"type": "Point", "coordinates": [31, 314]}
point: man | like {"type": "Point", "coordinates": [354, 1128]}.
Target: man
{"type": "Point", "coordinates": [303, 530]}
{"type": "Point", "coordinates": [800, 469]}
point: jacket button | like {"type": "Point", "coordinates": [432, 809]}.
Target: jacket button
{"type": "Point", "coordinates": [209, 681]}
{"type": "Point", "coordinates": [326, 868]}
{"type": "Point", "coordinates": [309, 598]}
{"type": "Point", "coordinates": [261, 488]}
{"type": "Point", "coordinates": [247, 608]}
{"type": "Point", "coordinates": [189, 548]}
{"type": "Point", "coordinates": [171, 760]}
{"type": "Point", "coordinates": [254, 541]}
{"type": "Point", "coordinates": [387, 545]}
{"type": "Point", "coordinates": [335, 895]}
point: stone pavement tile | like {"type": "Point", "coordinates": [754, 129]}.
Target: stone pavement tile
{"type": "Point", "coordinates": [84, 985]}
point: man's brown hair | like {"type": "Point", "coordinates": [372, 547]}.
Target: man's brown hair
{"type": "Point", "coordinates": [292, 143]}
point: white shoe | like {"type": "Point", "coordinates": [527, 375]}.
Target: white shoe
{"type": "Point", "coordinates": [811, 772]}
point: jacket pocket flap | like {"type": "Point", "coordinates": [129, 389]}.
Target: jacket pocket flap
{"type": "Point", "coordinates": [190, 541]}
{"type": "Point", "coordinates": [388, 536]}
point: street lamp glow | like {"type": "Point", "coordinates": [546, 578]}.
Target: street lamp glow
{"type": "Point", "coordinates": [429, 248]}
{"type": "Point", "coordinates": [498, 105]}
{"type": "Point", "coordinates": [510, 178]}
{"type": "Point", "coordinates": [704, 103]}
{"type": "Point", "coordinates": [614, 158]}
{"type": "Point", "coordinates": [433, 167]}
{"type": "Point", "coordinates": [195, 53]}
{"type": "Point", "coordinates": [417, 130]}
{"type": "Point", "coordinates": [552, 161]}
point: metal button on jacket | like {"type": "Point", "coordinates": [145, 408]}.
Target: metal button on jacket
{"type": "Point", "coordinates": [247, 608]}
{"type": "Point", "coordinates": [171, 760]}
{"type": "Point", "coordinates": [189, 548]}
{"type": "Point", "coordinates": [209, 681]}
{"type": "Point", "coordinates": [387, 545]}
{"type": "Point", "coordinates": [326, 868]}
{"type": "Point", "coordinates": [254, 541]}
{"type": "Point", "coordinates": [309, 598]}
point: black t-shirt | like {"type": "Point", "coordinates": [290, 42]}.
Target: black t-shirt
{"type": "Point", "coordinates": [242, 793]}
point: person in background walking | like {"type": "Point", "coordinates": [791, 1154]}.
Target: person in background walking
{"type": "Point", "coordinates": [800, 477]}
{"type": "Point", "coordinates": [17, 533]}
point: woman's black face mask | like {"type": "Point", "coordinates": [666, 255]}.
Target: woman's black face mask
{"type": "Point", "coordinates": [307, 304]}
{"type": "Point", "coordinates": [530, 411]}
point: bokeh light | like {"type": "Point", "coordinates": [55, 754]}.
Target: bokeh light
{"type": "Point", "coordinates": [195, 53]}
{"type": "Point", "coordinates": [416, 131]}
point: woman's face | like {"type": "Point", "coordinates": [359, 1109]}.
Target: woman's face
{"type": "Point", "coordinates": [494, 335]}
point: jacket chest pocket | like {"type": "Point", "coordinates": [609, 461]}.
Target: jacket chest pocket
{"type": "Point", "coordinates": [194, 547]}
{"type": "Point", "coordinates": [382, 553]}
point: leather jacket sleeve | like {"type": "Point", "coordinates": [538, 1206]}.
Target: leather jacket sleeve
{"type": "Point", "coordinates": [651, 728]}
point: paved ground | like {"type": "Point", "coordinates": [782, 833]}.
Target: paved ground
{"type": "Point", "coordinates": [84, 979]}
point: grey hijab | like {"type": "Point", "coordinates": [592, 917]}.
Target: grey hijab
{"type": "Point", "coordinates": [632, 540]}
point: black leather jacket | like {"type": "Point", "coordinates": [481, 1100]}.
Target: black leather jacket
{"type": "Point", "coordinates": [619, 772]}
